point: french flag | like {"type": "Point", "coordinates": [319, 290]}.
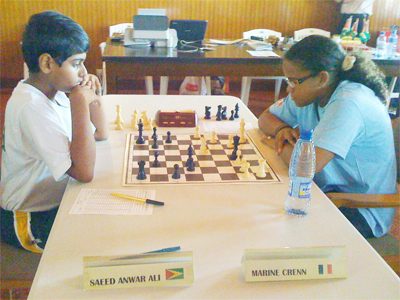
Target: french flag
{"type": "Point", "coordinates": [325, 269]}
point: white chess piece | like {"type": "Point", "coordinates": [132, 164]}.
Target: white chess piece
{"type": "Point", "coordinates": [213, 138]}
{"type": "Point", "coordinates": [134, 120]}
{"type": "Point", "coordinates": [239, 158]}
{"type": "Point", "coordinates": [261, 168]}
{"type": "Point", "coordinates": [243, 165]}
{"type": "Point", "coordinates": [203, 147]}
{"type": "Point", "coordinates": [230, 142]}
{"type": "Point", "coordinates": [242, 132]}
{"type": "Point", "coordinates": [118, 121]}
{"type": "Point", "coordinates": [145, 119]}
{"type": "Point", "coordinates": [149, 124]}
{"type": "Point", "coordinates": [246, 168]}
{"type": "Point", "coordinates": [197, 132]}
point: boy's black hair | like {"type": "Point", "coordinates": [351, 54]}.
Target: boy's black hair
{"type": "Point", "coordinates": [318, 53]}
{"type": "Point", "coordinates": [53, 33]}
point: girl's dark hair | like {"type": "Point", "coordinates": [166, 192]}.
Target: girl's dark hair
{"type": "Point", "coordinates": [53, 33]}
{"type": "Point", "coordinates": [317, 53]}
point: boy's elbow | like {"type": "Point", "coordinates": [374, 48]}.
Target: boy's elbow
{"type": "Point", "coordinates": [83, 176]}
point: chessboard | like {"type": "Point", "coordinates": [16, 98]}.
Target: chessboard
{"type": "Point", "coordinates": [213, 167]}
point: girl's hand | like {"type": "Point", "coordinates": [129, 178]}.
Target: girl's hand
{"type": "Point", "coordinates": [285, 135]}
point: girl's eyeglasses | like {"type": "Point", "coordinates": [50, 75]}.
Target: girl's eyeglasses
{"type": "Point", "coordinates": [293, 82]}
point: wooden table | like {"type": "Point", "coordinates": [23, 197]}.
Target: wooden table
{"type": "Point", "coordinates": [230, 60]}
{"type": "Point", "coordinates": [215, 221]}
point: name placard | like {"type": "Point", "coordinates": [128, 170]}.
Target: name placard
{"type": "Point", "coordinates": [294, 263]}
{"type": "Point", "coordinates": [148, 269]}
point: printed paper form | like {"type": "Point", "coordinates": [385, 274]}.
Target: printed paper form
{"type": "Point", "coordinates": [101, 202]}
{"type": "Point", "coordinates": [263, 53]}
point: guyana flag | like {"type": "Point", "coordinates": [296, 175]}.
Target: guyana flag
{"type": "Point", "coordinates": [172, 274]}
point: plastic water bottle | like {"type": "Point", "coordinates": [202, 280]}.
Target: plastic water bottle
{"type": "Point", "coordinates": [381, 45]}
{"type": "Point", "coordinates": [392, 42]}
{"type": "Point", "coordinates": [301, 173]}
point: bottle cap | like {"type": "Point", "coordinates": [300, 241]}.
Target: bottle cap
{"type": "Point", "coordinates": [306, 134]}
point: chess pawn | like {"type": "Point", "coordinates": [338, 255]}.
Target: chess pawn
{"type": "Point", "coordinates": [246, 167]}
{"type": "Point", "coordinates": [134, 120]}
{"type": "Point", "coordinates": [239, 158]}
{"type": "Point", "coordinates": [197, 132]}
{"type": "Point", "coordinates": [261, 168]}
{"type": "Point", "coordinates": [213, 139]}
{"type": "Point", "coordinates": [230, 142]}
{"type": "Point", "coordinates": [242, 135]}
{"type": "Point", "coordinates": [203, 147]}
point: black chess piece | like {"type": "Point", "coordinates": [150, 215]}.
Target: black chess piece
{"type": "Point", "coordinates": [219, 116]}
{"type": "Point", "coordinates": [140, 139]}
{"type": "Point", "coordinates": [207, 113]}
{"type": "Point", "coordinates": [190, 164]}
{"type": "Point", "coordinates": [233, 156]}
{"type": "Point", "coordinates": [168, 140]}
{"type": "Point", "coordinates": [154, 132]}
{"type": "Point", "coordinates": [236, 140]}
{"type": "Point", "coordinates": [237, 110]}
{"type": "Point", "coordinates": [141, 173]}
{"type": "Point", "coordinates": [176, 174]}
{"type": "Point", "coordinates": [223, 113]}
{"type": "Point", "coordinates": [156, 163]}
{"type": "Point", "coordinates": [232, 117]}
{"type": "Point", "coordinates": [155, 145]}
{"type": "Point", "coordinates": [190, 151]}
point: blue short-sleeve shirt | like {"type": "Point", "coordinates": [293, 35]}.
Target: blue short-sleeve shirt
{"type": "Point", "coordinates": [355, 126]}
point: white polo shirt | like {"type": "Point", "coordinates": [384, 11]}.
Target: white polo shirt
{"type": "Point", "coordinates": [36, 150]}
{"type": "Point", "coordinates": [357, 7]}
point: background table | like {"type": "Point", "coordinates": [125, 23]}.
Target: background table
{"type": "Point", "coordinates": [217, 222]}
{"type": "Point", "coordinates": [229, 60]}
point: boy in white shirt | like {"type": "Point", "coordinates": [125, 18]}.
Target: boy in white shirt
{"type": "Point", "coordinates": [48, 137]}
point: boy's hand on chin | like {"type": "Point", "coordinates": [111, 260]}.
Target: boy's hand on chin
{"type": "Point", "coordinates": [92, 82]}
{"type": "Point", "coordinates": [83, 93]}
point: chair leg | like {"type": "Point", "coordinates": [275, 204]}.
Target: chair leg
{"type": "Point", "coordinates": [208, 85]}
{"type": "Point", "coordinates": [245, 90]}
{"type": "Point", "coordinates": [26, 71]}
{"type": "Point", "coordinates": [392, 84]}
{"type": "Point", "coordinates": [148, 80]}
{"type": "Point", "coordinates": [164, 85]}
{"type": "Point", "coordinates": [104, 79]}
{"type": "Point", "coordinates": [278, 84]}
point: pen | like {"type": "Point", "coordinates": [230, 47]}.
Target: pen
{"type": "Point", "coordinates": [142, 200]}
{"type": "Point", "coordinates": [169, 249]}
{"type": "Point", "coordinates": [163, 250]}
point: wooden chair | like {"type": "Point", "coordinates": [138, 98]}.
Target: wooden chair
{"type": "Point", "coordinates": [246, 81]}
{"type": "Point", "coordinates": [305, 32]}
{"type": "Point", "coordinates": [387, 246]}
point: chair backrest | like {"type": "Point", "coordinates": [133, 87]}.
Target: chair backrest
{"type": "Point", "coordinates": [302, 33]}
{"type": "Point", "coordinates": [119, 28]}
{"type": "Point", "coordinates": [262, 33]}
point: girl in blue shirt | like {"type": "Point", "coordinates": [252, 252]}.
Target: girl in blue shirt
{"type": "Point", "coordinates": [341, 97]}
